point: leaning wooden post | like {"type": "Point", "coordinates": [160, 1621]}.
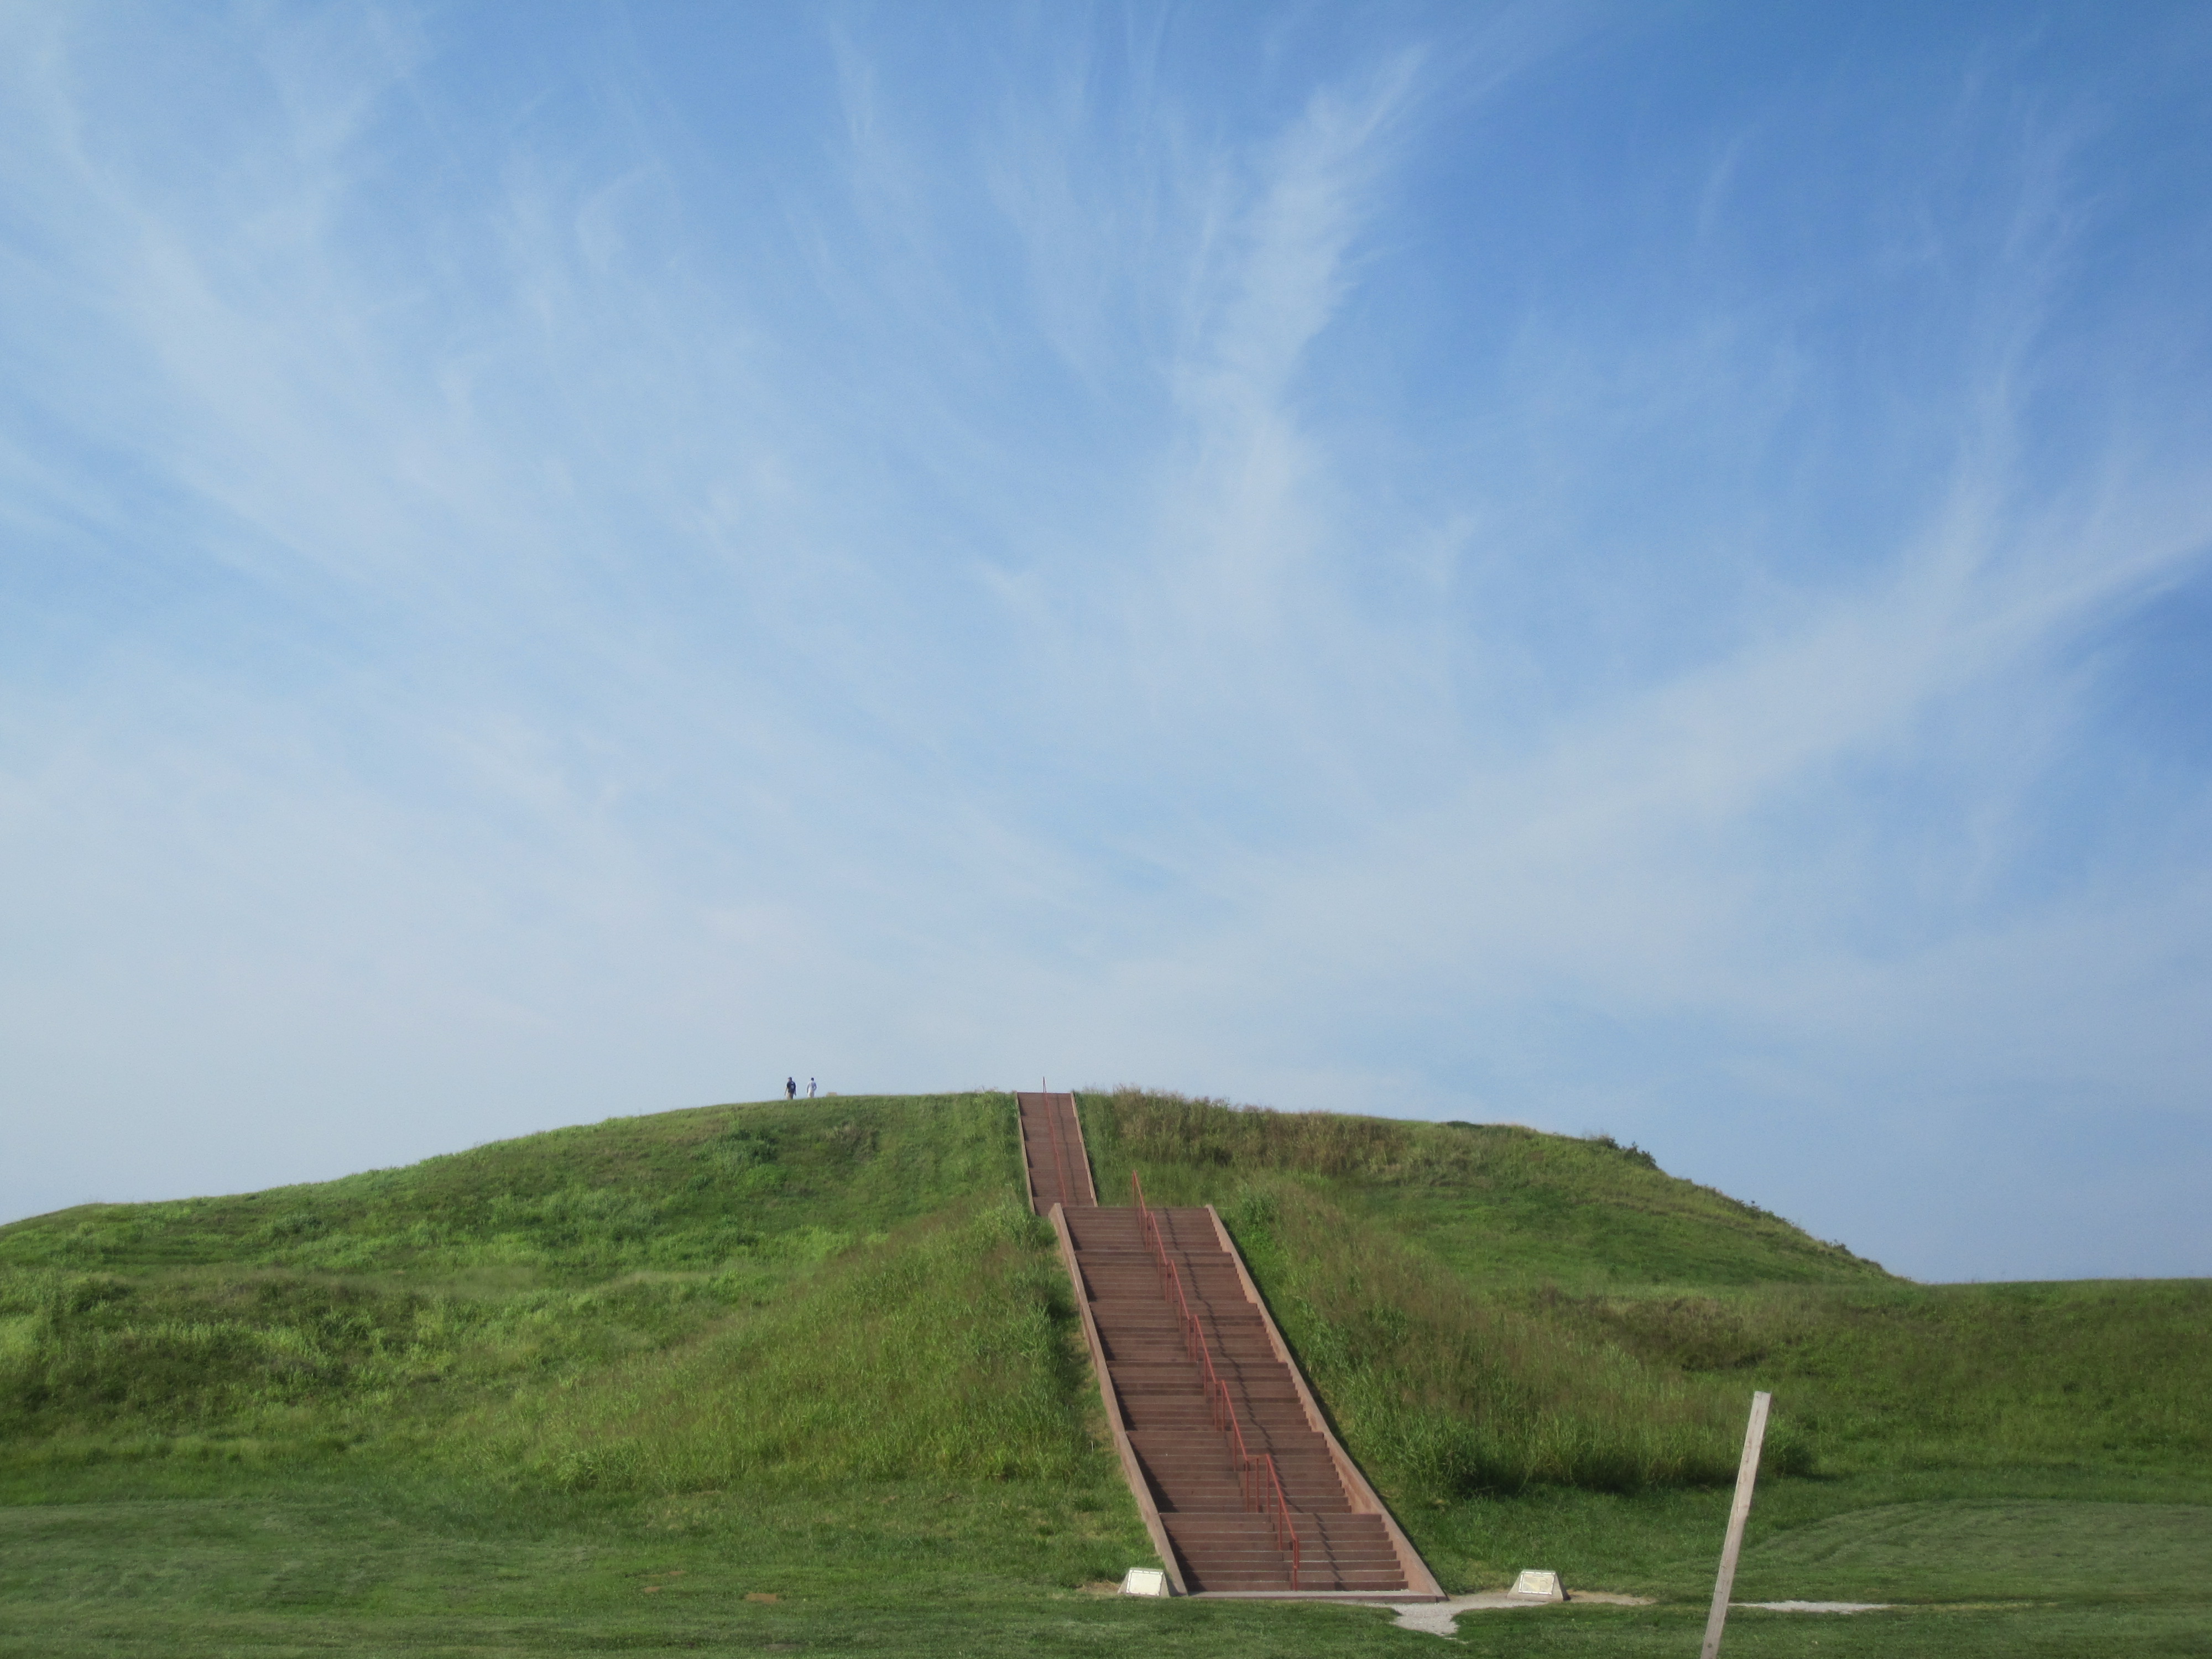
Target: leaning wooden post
{"type": "Point", "coordinates": [1747, 1473]}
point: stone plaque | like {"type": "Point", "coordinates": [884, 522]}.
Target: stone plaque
{"type": "Point", "coordinates": [1145, 1581]}
{"type": "Point", "coordinates": [1542, 1584]}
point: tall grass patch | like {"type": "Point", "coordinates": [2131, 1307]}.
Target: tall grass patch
{"type": "Point", "coordinates": [950, 1349]}
{"type": "Point", "coordinates": [1450, 1393]}
{"type": "Point", "coordinates": [1909, 1376]}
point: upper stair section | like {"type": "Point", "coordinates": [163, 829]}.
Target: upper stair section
{"type": "Point", "coordinates": [1053, 1162]}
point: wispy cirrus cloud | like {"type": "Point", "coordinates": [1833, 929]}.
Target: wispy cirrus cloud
{"type": "Point", "coordinates": [573, 576]}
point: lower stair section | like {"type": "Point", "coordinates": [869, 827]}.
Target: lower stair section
{"type": "Point", "coordinates": [1348, 1554]}
{"type": "Point", "coordinates": [1174, 1431]}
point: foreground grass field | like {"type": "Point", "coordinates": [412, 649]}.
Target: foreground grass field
{"type": "Point", "coordinates": [307, 1562]}
{"type": "Point", "coordinates": [786, 1378]}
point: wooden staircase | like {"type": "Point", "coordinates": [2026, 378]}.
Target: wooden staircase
{"type": "Point", "coordinates": [1242, 1486]}
{"type": "Point", "coordinates": [1053, 1161]}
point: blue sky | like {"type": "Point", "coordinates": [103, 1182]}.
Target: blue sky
{"type": "Point", "coordinates": [1637, 568]}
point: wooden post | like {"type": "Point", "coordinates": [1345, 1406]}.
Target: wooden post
{"type": "Point", "coordinates": [1747, 1473]}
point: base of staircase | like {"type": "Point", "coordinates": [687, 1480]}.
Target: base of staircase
{"type": "Point", "coordinates": [1368, 1597]}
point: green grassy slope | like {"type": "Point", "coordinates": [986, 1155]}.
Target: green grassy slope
{"type": "Point", "coordinates": [676, 1190]}
{"type": "Point", "coordinates": [818, 1352]}
{"type": "Point", "coordinates": [1489, 1308]}
{"type": "Point", "coordinates": [1494, 1202]}
{"type": "Point", "coordinates": [850, 1286]}
{"type": "Point", "coordinates": [1543, 1347]}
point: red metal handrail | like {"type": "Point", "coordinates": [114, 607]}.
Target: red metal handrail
{"type": "Point", "coordinates": [1262, 1485]}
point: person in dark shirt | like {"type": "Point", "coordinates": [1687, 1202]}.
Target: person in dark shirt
{"type": "Point", "coordinates": [791, 1088]}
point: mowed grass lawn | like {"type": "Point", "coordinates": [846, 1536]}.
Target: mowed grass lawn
{"type": "Point", "coordinates": [805, 1379]}
{"type": "Point", "coordinates": [321, 1562]}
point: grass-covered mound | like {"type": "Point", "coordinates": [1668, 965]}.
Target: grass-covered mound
{"type": "Point", "coordinates": [848, 1287]}
{"type": "Point", "coordinates": [1487, 1309]}
{"type": "Point", "coordinates": [818, 1350]}
{"type": "Point", "coordinates": [666, 1303]}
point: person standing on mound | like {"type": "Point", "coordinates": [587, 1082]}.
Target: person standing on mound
{"type": "Point", "coordinates": [791, 1088]}
{"type": "Point", "coordinates": [809, 1088]}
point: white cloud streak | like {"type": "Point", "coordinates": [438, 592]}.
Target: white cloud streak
{"type": "Point", "coordinates": [505, 637]}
